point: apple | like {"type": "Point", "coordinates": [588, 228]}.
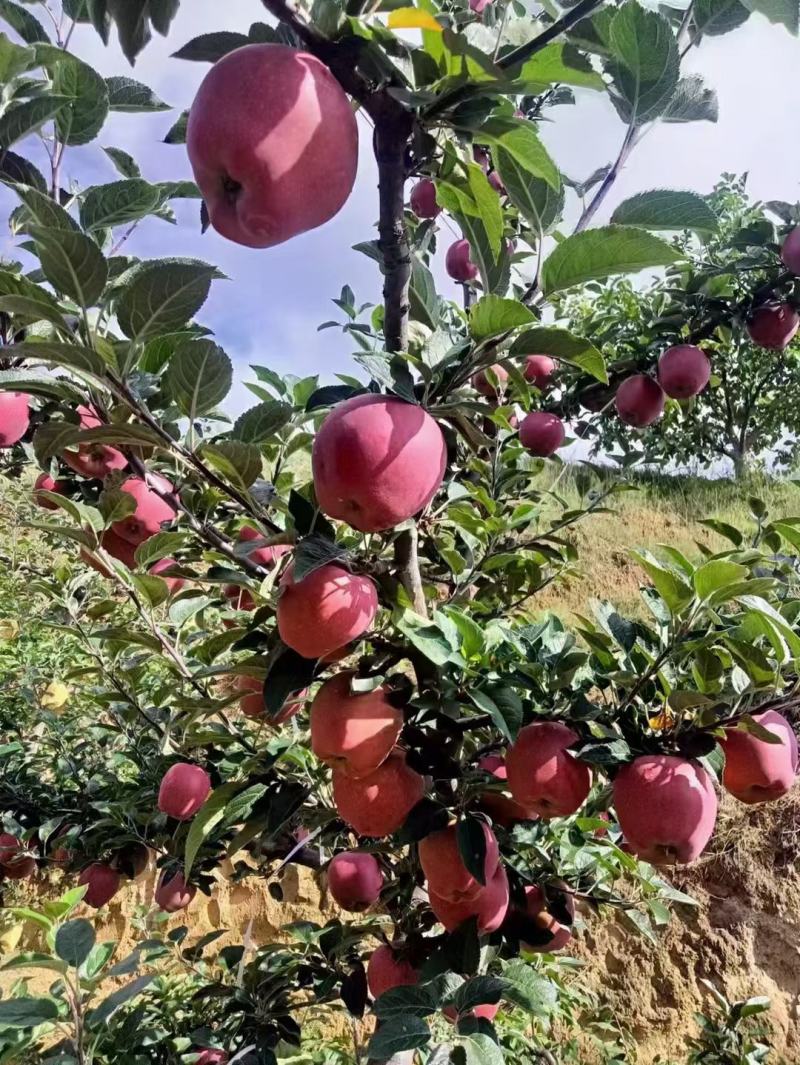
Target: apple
{"type": "Point", "coordinates": [162, 567]}
{"type": "Point", "coordinates": [790, 252]}
{"type": "Point", "coordinates": [639, 400]}
{"type": "Point", "coordinates": [490, 905]}
{"type": "Point", "coordinates": [263, 556]}
{"type": "Point", "coordinates": [494, 178]}
{"type": "Point", "coordinates": [94, 460]}
{"type": "Point", "coordinates": [481, 383]}
{"type": "Point", "coordinates": [15, 862]}
{"type": "Point", "coordinates": [539, 370]}
{"type": "Point", "coordinates": [325, 610]}
{"type": "Point", "coordinates": [553, 930]}
{"type": "Point", "coordinates": [485, 1012]}
{"type": "Point", "coordinates": [102, 884]}
{"type": "Point", "coordinates": [252, 702]}
{"type": "Point", "coordinates": [14, 417]}
{"type": "Point", "coordinates": [458, 262]}
{"type": "Point", "coordinates": [683, 371]}
{"type": "Point", "coordinates": [45, 483]}
{"type": "Point", "coordinates": [387, 969]}
{"type": "Point", "coordinates": [184, 788]}
{"type": "Point", "coordinates": [541, 433]}
{"type": "Point", "coordinates": [543, 775]}
{"type": "Point", "coordinates": [481, 157]}
{"type": "Point", "coordinates": [378, 804]}
{"type": "Point", "coordinates": [151, 510]}
{"type": "Point", "coordinates": [666, 808]}
{"type": "Point", "coordinates": [355, 880]}
{"type": "Point", "coordinates": [755, 770]}
{"type": "Point", "coordinates": [353, 731]}
{"type": "Point", "coordinates": [116, 547]}
{"type": "Point", "coordinates": [273, 143]}
{"type": "Point", "coordinates": [377, 461]}
{"type": "Point", "coordinates": [423, 199]}
{"type": "Point", "coordinates": [132, 860]}
{"type": "Point", "coordinates": [239, 598]}
{"type": "Point", "coordinates": [444, 869]}
{"type": "Point", "coordinates": [209, 1056]}
{"type": "Point", "coordinates": [173, 893]}
{"type": "Point", "coordinates": [773, 325]}
{"type": "Point", "coordinates": [502, 808]}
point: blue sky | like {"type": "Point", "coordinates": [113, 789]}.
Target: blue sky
{"type": "Point", "coordinates": [269, 311]}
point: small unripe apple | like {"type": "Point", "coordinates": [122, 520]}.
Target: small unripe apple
{"type": "Point", "coordinates": [666, 808]}
{"type": "Point", "coordinates": [45, 483]}
{"type": "Point", "coordinates": [102, 884]}
{"type": "Point", "coordinates": [543, 775]}
{"type": "Point", "coordinates": [14, 417]}
{"type": "Point", "coordinates": [447, 876]}
{"type": "Point", "coordinates": [158, 569]}
{"type": "Point", "coordinates": [539, 370]}
{"type": "Point", "coordinates": [423, 199]}
{"type": "Point", "coordinates": [458, 262]}
{"type": "Point", "coordinates": [263, 556]}
{"type": "Point", "coordinates": [481, 383]}
{"type": "Point", "coordinates": [386, 969]}
{"type": "Point", "coordinates": [377, 461]}
{"type": "Point", "coordinates": [541, 433]}
{"type": "Point", "coordinates": [184, 788]}
{"type": "Point", "coordinates": [490, 905]}
{"type": "Point", "coordinates": [790, 252]}
{"type": "Point", "coordinates": [173, 893]}
{"type": "Point", "coordinates": [378, 804]}
{"type": "Point", "coordinates": [353, 731]}
{"type": "Point", "coordinates": [151, 510]}
{"type": "Point", "coordinates": [773, 325]}
{"type": "Point", "coordinates": [355, 880]}
{"type": "Point", "coordinates": [325, 610]}
{"type": "Point", "coordinates": [755, 770]}
{"type": "Point", "coordinates": [683, 371]}
{"type": "Point", "coordinates": [639, 400]}
{"type": "Point", "coordinates": [273, 143]}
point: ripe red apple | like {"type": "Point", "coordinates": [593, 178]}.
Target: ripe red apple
{"type": "Point", "coordinates": [386, 969]}
{"type": "Point", "coordinates": [773, 325]}
{"type": "Point", "coordinates": [377, 461]}
{"type": "Point", "coordinates": [326, 609]}
{"type": "Point", "coordinates": [15, 862]}
{"type": "Point", "coordinates": [666, 808]}
{"type": "Point", "coordinates": [353, 731]}
{"type": "Point", "coordinates": [45, 483]}
{"type": "Point", "coordinates": [184, 788]}
{"type": "Point", "coordinates": [444, 868]}
{"type": "Point", "coordinates": [14, 417]}
{"type": "Point", "coordinates": [355, 880]}
{"type": "Point", "coordinates": [423, 199]}
{"type": "Point", "coordinates": [209, 1056]}
{"type": "Point", "coordinates": [494, 178]}
{"type": "Point", "coordinates": [458, 262]}
{"type": "Point", "coordinates": [541, 433]}
{"type": "Point", "coordinates": [252, 702]}
{"type": "Point", "coordinates": [639, 400]}
{"type": "Point", "coordinates": [116, 547]}
{"type": "Point", "coordinates": [490, 905]}
{"type": "Point", "coordinates": [543, 775]}
{"type": "Point", "coordinates": [262, 556]}
{"type": "Point", "coordinates": [538, 909]}
{"type": "Point", "coordinates": [757, 771]}
{"type": "Point", "coordinates": [103, 884]}
{"type": "Point", "coordinates": [539, 370]}
{"type": "Point", "coordinates": [683, 371]}
{"type": "Point", "coordinates": [481, 383]}
{"type": "Point", "coordinates": [273, 143]}
{"type": "Point", "coordinates": [151, 510]}
{"type": "Point", "coordinates": [240, 598]}
{"type": "Point", "coordinates": [378, 804]}
{"type": "Point", "coordinates": [94, 460]}
{"type": "Point", "coordinates": [173, 893]}
{"type": "Point", "coordinates": [790, 252]}
{"type": "Point", "coordinates": [502, 809]}
{"type": "Point", "coordinates": [483, 1013]}
{"type": "Point", "coordinates": [158, 569]}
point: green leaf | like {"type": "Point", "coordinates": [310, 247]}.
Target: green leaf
{"type": "Point", "coordinates": [313, 552]}
{"type": "Point", "coordinates": [493, 314]}
{"type": "Point", "coordinates": [162, 296]}
{"type": "Point", "coordinates": [564, 346]}
{"type": "Point", "coordinates": [71, 356]}
{"type": "Point", "coordinates": [159, 546]}
{"type": "Point", "coordinates": [238, 462]}
{"type": "Point", "coordinates": [109, 1006]}
{"type": "Point", "coordinates": [74, 941]}
{"type": "Point", "coordinates": [27, 1012]}
{"type": "Point", "coordinates": [27, 26]}
{"type": "Point", "coordinates": [595, 254]}
{"type": "Point", "coordinates": [667, 209]}
{"type": "Point", "coordinates": [205, 821]}
{"type": "Point", "coordinates": [480, 1049]}
{"type": "Point", "coordinates": [715, 17]}
{"type": "Point", "coordinates": [72, 263]}
{"type": "Point", "coordinates": [535, 199]}
{"type": "Point", "coordinates": [82, 120]}
{"type": "Point", "coordinates": [495, 271]}
{"type": "Point", "coordinates": [424, 303]}
{"type": "Point", "coordinates": [406, 1001]}
{"type": "Point", "coordinates": [398, 1035]}
{"type": "Point", "coordinates": [518, 139]}
{"type": "Point", "coordinates": [131, 96]}
{"type": "Point", "coordinates": [100, 955]}
{"type": "Point", "coordinates": [124, 163]}
{"type": "Point", "coordinates": [209, 47]}
{"type": "Point", "coordinates": [487, 705]}
{"type": "Point", "coordinates": [33, 310]}
{"type": "Point", "coordinates": [199, 377]}
{"type": "Point", "coordinates": [489, 207]}
{"type": "Point", "coordinates": [645, 64]}
{"type": "Point", "coordinates": [262, 422]}
{"type": "Point", "coordinates": [479, 991]}
{"type": "Point", "coordinates": [715, 575]}
{"type": "Point", "coordinates": [25, 118]}
{"type": "Point", "coordinates": [14, 59]}
{"type": "Point", "coordinates": [14, 169]}
{"type": "Point", "coordinates": [558, 63]}
{"type": "Point", "coordinates": [34, 960]}
{"type": "Point", "coordinates": [692, 101]}
{"type": "Point", "coordinates": [41, 210]}
{"type": "Point", "coordinates": [675, 592]}
{"type": "Point", "coordinates": [177, 132]}
{"type": "Point", "coordinates": [781, 12]}
{"type": "Point", "coordinates": [106, 206]}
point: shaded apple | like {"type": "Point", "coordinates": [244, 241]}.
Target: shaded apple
{"type": "Point", "coordinates": [481, 383]}
{"type": "Point", "coordinates": [482, 1013]}
{"type": "Point", "coordinates": [773, 325]}
{"type": "Point", "coordinates": [355, 880]}
{"type": "Point", "coordinates": [541, 433]}
{"type": "Point", "coordinates": [790, 251]}
{"type": "Point", "coordinates": [683, 371]}
{"type": "Point", "coordinates": [539, 370]}
{"type": "Point", "coordinates": [173, 893]}
{"type": "Point", "coordinates": [14, 417]}
{"type": "Point", "coordinates": [458, 262]}
{"type": "Point", "coordinates": [325, 610]}
{"type": "Point", "coordinates": [273, 144]}
{"type": "Point", "coordinates": [756, 770]}
{"type": "Point", "coordinates": [543, 775]}
{"type": "Point", "coordinates": [183, 790]}
{"type": "Point", "coordinates": [639, 400]}
{"type": "Point", "coordinates": [210, 1056]}
{"type": "Point", "coordinates": [444, 868]}
{"type": "Point", "coordinates": [502, 808]}
{"type": "Point", "coordinates": [423, 199]}
{"type": "Point", "coordinates": [252, 702]}
{"type": "Point", "coordinates": [353, 731]}
{"type": "Point", "coordinates": [102, 884]}
{"type": "Point", "coordinates": [161, 569]}
{"type": "Point", "coordinates": [265, 556]}
{"type": "Point", "coordinates": [45, 483]}
{"type": "Point", "coordinates": [490, 905]}
{"type": "Point", "coordinates": [239, 598]}
{"type": "Point", "coordinates": [546, 920]}
{"type": "Point", "coordinates": [387, 969]}
{"type": "Point", "coordinates": [378, 804]}
{"type": "Point", "coordinates": [15, 861]}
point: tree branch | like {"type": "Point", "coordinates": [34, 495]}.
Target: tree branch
{"type": "Point", "coordinates": [407, 561]}
{"type": "Point", "coordinates": [391, 138]}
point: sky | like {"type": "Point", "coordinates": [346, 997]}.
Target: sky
{"type": "Point", "coordinates": [269, 310]}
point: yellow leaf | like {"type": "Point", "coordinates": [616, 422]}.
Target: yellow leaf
{"type": "Point", "coordinates": [9, 629]}
{"type": "Point", "coordinates": [661, 721]}
{"type": "Point", "coordinates": [411, 18]}
{"type": "Point", "coordinates": [55, 695]}
{"type": "Point", "coordinates": [9, 938]}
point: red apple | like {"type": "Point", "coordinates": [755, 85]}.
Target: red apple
{"type": "Point", "coordinates": [423, 199]}
{"type": "Point", "coordinates": [639, 400]}
{"type": "Point", "coordinates": [378, 804]}
{"type": "Point", "coordinates": [209, 1056]}
{"type": "Point", "coordinates": [164, 565]}
{"type": "Point", "coordinates": [45, 483]}
{"type": "Point", "coordinates": [95, 460]}
{"type": "Point", "coordinates": [325, 610]}
{"type": "Point", "coordinates": [501, 808]}
{"type": "Point", "coordinates": [458, 262]}
{"type": "Point", "coordinates": [387, 969]}
{"type": "Point", "coordinates": [355, 880]}
{"type": "Point", "coordinates": [481, 383]}
{"type": "Point", "coordinates": [353, 731]}
{"type": "Point", "coordinates": [541, 433]}
{"type": "Point", "coordinates": [555, 933]}
{"type": "Point", "coordinates": [666, 808]}
{"type": "Point", "coordinates": [263, 556]}
{"type": "Point", "coordinates": [490, 905]}
{"type": "Point", "coordinates": [15, 861]}
{"type": "Point", "coordinates": [240, 598]}
{"type": "Point", "coordinates": [494, 178]}
{"type": "Point", "coordinates": [103, 884]}
{"type": "Point", "coordinates": [151, 510]}
{"type": "Point", "coordinates": [447, 876]}
{"type": "Point", "coordinates": [483, 1013]}
{"type": "Point", "coordinates": [14, 417]}
{"type": "Point", "coordinates": [377, 461]}
{"type": "Point", "coordinates": [755, 770]}
{"type": "Point", "coordinates": [252, 702]}
{"type": "Point", "coordinates": [539, 370]}
{"type": "Point", "coordinates": [542, 773]}
{"type": "Point", "coordinates": [173, 893]}
{"type": "Point", "coordinates": [773, 325]}
{"type": "Point", "coordinates": [184, 788]}
{"type": "Point", "coordinates": [273, 143]}
{"type": "Point", "coordinates": [683, 371]}
{"type": "Point", "coordinates": [790, 252]}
